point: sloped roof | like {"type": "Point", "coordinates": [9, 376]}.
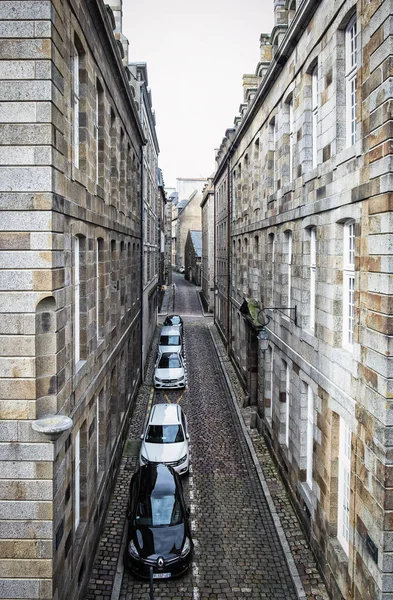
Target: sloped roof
{"type": "Point", "coordinates": [196, 238]}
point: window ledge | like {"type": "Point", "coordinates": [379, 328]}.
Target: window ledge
{"type": "Point", "coordinates": [313, 174]}
{"type": "Point", "coordinates": [339, 552]}
{"type": "Point", "coordinates": [79, 365]}
{"type": "Point", "coordinates": [346, 155]}
{"type": "Point", "coordinates": [272, 197]}
{"type": "Point", "coordinates": [309, 338]}
{"type": "Point", "coordinates": [307, 495]}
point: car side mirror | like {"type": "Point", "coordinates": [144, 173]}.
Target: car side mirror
{"type": "Point", "coordinates": [142, 436]}
{"type": "Point", "coordinates": [187, 436]}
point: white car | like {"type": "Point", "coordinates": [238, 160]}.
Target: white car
{"type": "Point", "coordinates": [166, 438]}
{"type": "Point", "coordinates": [170, 340]}
{"type": "Point", "coordinates": [169, 371]}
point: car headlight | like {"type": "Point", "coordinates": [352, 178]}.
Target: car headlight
{"type": "Point", "coordinates": [180, 379]}
{"type": "Point", "coordinates": [186, 547]}
{"type": "Point", "coordinates": [132, 550]}
{"type": "Point", "coordinates": [144, 459]}
{"type": "Point", "coordinates": [181, 460]}
{"type": "Point", "coordinates": [157, 379]}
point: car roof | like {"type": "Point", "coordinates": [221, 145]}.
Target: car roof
{"type": "Point", "coordinates": [165, 413]}
{"type": "Point", "coordinates": [157, 479]}
{"type": "Point", "coordinates": [170, 330]}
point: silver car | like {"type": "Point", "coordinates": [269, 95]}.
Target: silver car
{"type": "Point", "coordinates": [166, 438]}
{"type": "Point", "coordinates": [170, 340]}
{"type": "Point", "coordinates": [169, 371]}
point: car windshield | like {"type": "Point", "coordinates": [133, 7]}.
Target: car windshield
{"type": "Point", "coordinates": [159, 511]}
{"type": "Point", "coordinates": [170, 340]}
{"type": "Point", "coordinates": [164, 434]}
{"type": "Point", "coordinates": [169, 361]}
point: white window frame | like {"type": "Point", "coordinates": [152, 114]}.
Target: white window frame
{"type": "Point", "coordinates": [272, 132]}
{"type": "Point", "coordinates": [351, 51]}
{"type": "Point", "coordinates": [273, 267]}
{"type": "Point", "coordinates": [97, 289]}
{"type": "Point", "coordinates": [287, 393]}
{"type": "Point", "coordinates": [349, 285]}
{"type": "Point", "coordinates": [77, 348]}
{"type": "Point", "coordinates": [310, 436]}
{"type": "Point", "coordinates": [344, 485]}
{"type": "Point", "coordinates": [289, 269]}
{"type": "Point", "coordinates": [291, 139]}
{"type": "Point", "coordinates": [270, 416]}
{"type": "Point", "coordinates": [313, 273]}
{"type": "Point", "coordinates": [314, 109]}
{"type": "Point", "coordinates": [77, 462]}
{"type": "Point", "coordinates": [98, 432]}
{"type": "Point", "coordinates": [96, 132]}
{"type": "Point", "coordinates": [76, 99]}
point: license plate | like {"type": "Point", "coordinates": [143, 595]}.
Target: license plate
{"type": "Point", "coordinates": [161, 575]}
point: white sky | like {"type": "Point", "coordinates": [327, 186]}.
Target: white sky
{"type": "Point", "coordinates": [196, 53]}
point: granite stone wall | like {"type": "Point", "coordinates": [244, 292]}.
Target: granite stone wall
{"type": "Point", "coordinates": [297, 184]}
{"type": "Point", "coordinates": [70, 334]}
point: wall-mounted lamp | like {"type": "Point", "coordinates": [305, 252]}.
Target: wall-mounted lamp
{"type": "Point", "coordinates": [263, 337]}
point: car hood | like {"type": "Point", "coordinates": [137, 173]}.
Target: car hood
{"type": "Point", "coordinates": [159, 541]}
{"type": "Point", "coordinates": [169, 373]}
{"type": "Point", "coordinates": [164, 452]}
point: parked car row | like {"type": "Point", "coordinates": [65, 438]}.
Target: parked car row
{"type": "Point", "coordinates": [169, 371]}
{"type": "Point", "coordinates": [159, 542]}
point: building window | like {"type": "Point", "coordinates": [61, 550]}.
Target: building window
{"type": "Point", "coordinates": [351, 50]}
{"type": "Point", "coordinates": [77, 511]}
{"type": "Point", "coordinates": [99, 134]}
{"type": "Point", "coordinates": [314, 109]}
{"type": "Point", "coordinates": [269, 411]}
{"type": "Point", "coordinates": [313, 272]}
{"type": "Point", "coordinates": [344, 485]}
{"type": "Point", "coordinates": [98, 420]}
{"type": "Point", "coordinates": [291, 140]}
{"type": "Point", "coordinates": [349, 285]}
{"type": "Point", "coordinates": [100, 287]}
{"type": "Point", "coordinates": [287, 299]}
{"type": "Point", "coordinates": [310, 436]}
{"type": "Point", "coordinates": [76, 99]}
{"type": "Point", "coordinates": [273, 158]}
{"type": "Point", "coordinates": [287, 391]}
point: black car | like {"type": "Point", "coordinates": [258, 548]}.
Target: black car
{"type": "Point", "coordinates": [174, 320]}
{"type": "Point", "coordinates": [159, 534]}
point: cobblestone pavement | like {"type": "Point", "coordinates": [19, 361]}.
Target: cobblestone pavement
{"type": "Point", "coordinates": [248, 542]}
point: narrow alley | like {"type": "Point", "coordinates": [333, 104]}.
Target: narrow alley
{"type": "Point", "coordinates": [248, 543]}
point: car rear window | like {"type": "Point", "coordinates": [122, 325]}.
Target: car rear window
{"type": "Point", "coordinates": [170, 340]}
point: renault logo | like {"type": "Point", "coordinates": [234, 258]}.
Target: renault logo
{"type": "Point", "coordinates": [160, 562]}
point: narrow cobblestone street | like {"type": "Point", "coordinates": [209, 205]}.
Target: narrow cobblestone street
{"type": "Point", "coordinates": [248, 542]}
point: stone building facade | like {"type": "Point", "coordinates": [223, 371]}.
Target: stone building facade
{"type": "Point", "coordinates": [193, 257]}
{"type": "Point", "coordinates": [151, 208]}
{"type": "Point", "coordinates": [186, 214]}
{"type": "Point", "coordinates": [70, 294]}
{"type": "Point", "coordinates": [207, 264]}
{"type": "Point", "coordinates": [309, 176]}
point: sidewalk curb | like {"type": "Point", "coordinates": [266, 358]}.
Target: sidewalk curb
{"type": "Point", "coordinates": [300, 591]}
